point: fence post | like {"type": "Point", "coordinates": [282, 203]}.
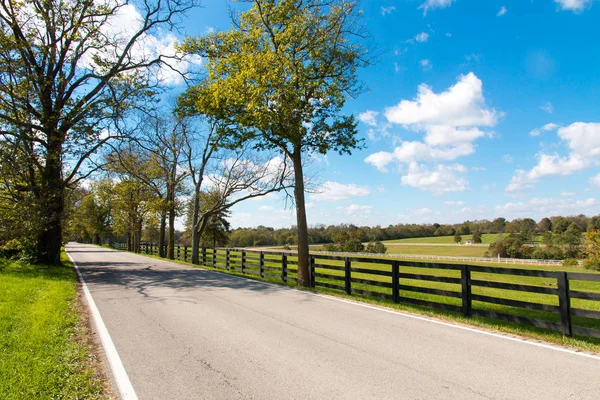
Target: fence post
{"type": "Point", "coordinates": [465, 280]}
{"type": "Point", "coordinates": [203, 256]}
{"type": "Point", "coordinates": [284, 267]}
{"type": "Point", "coordinates": [261, 264]}
{"type": "Point", "coordinates": [227, 266]}
{"type": "Point", "coordinates": [395, 283]}
{"type": "Point", "coordinates": [178, 255]}
{"type": "Point", "coordinates": [564, 302]}
{"type": "Point", "coordinates": [347, 272]}
{"type": "Point", "coordinates": [311, 269]}
{"type": "Point", "coordinates": [185, 253]}
{"type": "Point", "coordinates": [214, 258]}
{"type": "Point", "coordinates": [243, 261]}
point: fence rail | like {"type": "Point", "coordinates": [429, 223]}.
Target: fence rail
{"type": "Point", "coordinates": [562, 301]}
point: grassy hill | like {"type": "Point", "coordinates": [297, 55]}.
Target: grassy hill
{"type": "Point", "coordinates": [486, 238]}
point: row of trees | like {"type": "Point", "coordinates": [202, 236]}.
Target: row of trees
{"type": "Point", "coordinates": [78, 95]}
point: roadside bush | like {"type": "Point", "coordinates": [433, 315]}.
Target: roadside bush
{"type": "Point", "coordinates": [548, 253]}
{"type": "Point", "coordinates": [569, 262]}
{"type": "Point", "coordinates": [592, 263]}
{"type": "Point", "coordinates": [376, 248]}
{"type": "Point", "coordinates": [353, 245]}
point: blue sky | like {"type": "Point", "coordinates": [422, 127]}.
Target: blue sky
{"type": "Point", "coordinates": [475, 109]}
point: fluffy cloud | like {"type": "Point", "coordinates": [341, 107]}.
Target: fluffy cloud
{"type": "Point", "coordinates": [334, 191]}
{"type": "Point", "coordinates": [368, 117]}
{"type": "Point", "coordinates": [503, 11]}
{"type": "Point", "coordinates": [546, 128]}
{"type": "Point", "coordinates": [422, 37]}
{"type": "Point", "coordinates": [355, 209]}
{"type": "Point", "coordinates": [451, 121]}
{"type": "Point", "coordinates": [439, 180]}
{"type": "Point", "coordinates": [462, 105]}
{"type": "Point", "coordinates": [548, 107]}
{"type": "Point", "coordinates": [583, 142]}
{"type": "Point", "coordinates": [595, 180]}
{"type": "Point", "coordinates": [433, 4]}
{"type": "Point", "coordinates": [576, 6]}
{"type": "Point", "coordinates": [542, 207]}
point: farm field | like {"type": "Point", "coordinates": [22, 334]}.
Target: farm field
{"type": "Point", "coordinates": [486, 238]}
{"type": "Point", "coordinates": [456, 251]}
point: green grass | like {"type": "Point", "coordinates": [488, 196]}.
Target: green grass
{"type": "Point", "coordinates": [486, 238]}
{"type": "Point", "coordinates": [454, 251]}
{"type": "Point", "coordinates": [588, 344]}
{"type": "Point", "coordinates": [43, 350]}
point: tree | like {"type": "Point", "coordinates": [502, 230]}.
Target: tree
{"type": "Point", "coordinates": [376, 248]}
{"type": "Point", "coordinates": [67, 76]}
{"type": "Point", "coordinates": [281, 76]}
{"type": "Point", "coordinates": [457, 238]}
{"type": "Point", "coordinates": [476, 237]}
{"type": "Point", "coordinates": [545, 225]}
{"type": "Point", "coordinates": [498, 225]}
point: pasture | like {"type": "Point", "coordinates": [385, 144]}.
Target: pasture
{"type": "Point", "coordinates": [486, 238]}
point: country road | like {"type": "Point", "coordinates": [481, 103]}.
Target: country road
{"type": "Point", "coordinates": [186, 333]}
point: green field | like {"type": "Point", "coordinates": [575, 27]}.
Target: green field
{"type": "Point", "coordinates": [43, 354]}
{"type": "Point", "coordinates": [455, 251]}
{"type": "Point", "coordinates": [486, 238]}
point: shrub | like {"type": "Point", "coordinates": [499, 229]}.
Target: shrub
{"type": "Point", "coordinates": [353, 245]}
{"type": "Point", "coordinates": [376, 248]}
{"type": "Point", "coordinates": [569, 262]}
{"type": "Point", "coordinates": [592, 263]}
{"type": "Point", "coordinates": [548, 253]}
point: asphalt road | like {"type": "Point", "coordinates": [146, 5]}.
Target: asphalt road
{"type": "Point", "coordinates": [185, 333]}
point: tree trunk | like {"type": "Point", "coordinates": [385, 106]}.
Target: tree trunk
{"type": "Point", "coordinates": [171, 248]}
{"type": "Point", "coordinates": [195, 233]}
{"type": "Point", "coordinates": [49, 240]}
{"type": "Point", "coordinates": [162, 233]}
{"type": "Point", "coordinates": [304, 278]}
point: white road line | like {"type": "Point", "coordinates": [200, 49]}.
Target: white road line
{"type": "Point", "coordinates": [116, 365]}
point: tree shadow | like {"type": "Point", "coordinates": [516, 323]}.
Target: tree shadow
{"type": "Point", "coordinates": [143, 277]}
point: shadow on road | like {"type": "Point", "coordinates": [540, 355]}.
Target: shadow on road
{"type": "Point", "coordinates": [143, 277]}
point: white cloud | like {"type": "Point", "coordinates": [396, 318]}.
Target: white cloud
{"type": "Point", "coordinates": [422, 211]}
{"type": "Point", "coordinates": [547, 107]}
{"type": "Point", "coordinates": [576, 6]}
{"type": "Point", "coordinates": [503, 11]}
{"type": "Point", "coordinates": [507, 158]}
{"type": "Point", "coordinates": [546, 128]}
{"type": "Point", "coordinates": [595, 180]}
{"type": "Point", "coordinates": [433, 4]}
{"type": "Point", "coordinates": [451, 121]}
{"type": "Point", "coordinates": [334, 191]}
{"type": "Point", "coordinates": [422, 37]}
{"type": "Point", "coordinates": [126, 22]}
{"type": "Point", "coordinates": [583, 142]}
{"type": "Point", "coordinates": [568, 194]}
{"type": "Point", "coordinates": [439, 180]}
{"type": "Point", "coordinates": [459, 203]}
{"type": "Point", "coordinates": [266, 208]}
{"type": "Point", "coordinates": [462, 105]}
{"type": "Point", "coordinates": [543, 207]}
{"type": "Point", "coordinates": [448, 34]}
{"type": "Point", "coordinates": [387, 10]}
{"type": "Point", "coordinates": [355, 209]}
{"type": "Point", "coordinates": [369, 117]}
{"type": "Point", "coordinates": [425, 64]}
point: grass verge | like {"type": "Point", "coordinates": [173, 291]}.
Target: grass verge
{"type": "Point", "coordinates": [526, 331]}
{"type": "Point", "coordinates": [45, 348]}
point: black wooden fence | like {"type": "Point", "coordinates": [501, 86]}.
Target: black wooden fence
{"type": "Point", "coordinates": [567, 302]}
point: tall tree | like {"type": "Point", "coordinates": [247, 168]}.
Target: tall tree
{"type": "Point", "coordinates": [68, 71]}
{"type": "Point", "coordinates": [281, 76]}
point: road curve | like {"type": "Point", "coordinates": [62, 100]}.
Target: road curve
{"type": "Point", "coordinates": [185, 333]}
